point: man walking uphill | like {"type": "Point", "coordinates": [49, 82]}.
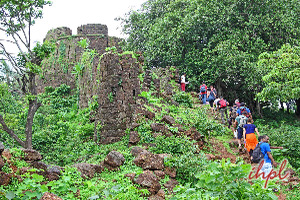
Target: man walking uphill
{"type": "Point", "coordinates": [242, 109]}
{"type": "Point", "coordinates": [223, 108]}
{"type": "Point", "coordinates": [268, 158]}
{"type": "Point", "coordinates": [240, 121]}
{"type": "Point", "coordinates": [203, 92]}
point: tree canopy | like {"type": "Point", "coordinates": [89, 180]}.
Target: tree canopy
{"type": "Point", "coordinates": [282, 74]}
{"type": "Point", "coordinates": [215, 41]}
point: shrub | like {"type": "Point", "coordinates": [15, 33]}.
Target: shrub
{"type": "Point", "coordinates": [184, 99]}
{"type": "Point", "coordinates": [173, 145]}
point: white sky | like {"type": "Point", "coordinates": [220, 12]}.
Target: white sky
{"type": "Point", "coordinates": [74, 13]}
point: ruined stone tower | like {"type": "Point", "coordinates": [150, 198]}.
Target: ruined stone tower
{"type": "Point", "coordinates": [58, 68]}
{"type": "Point", "coordinates": [117, 94]}
{"type": "Point", "coordinates": [111, 77]}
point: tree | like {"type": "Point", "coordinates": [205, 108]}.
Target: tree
{"type": "Point", "coordinates": [17, 18]}
{"type": "Point", "coordinates": [215, 41]}
{"type": "Point", "coordinates": [281, 71]}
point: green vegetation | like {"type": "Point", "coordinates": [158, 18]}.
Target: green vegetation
{"type": "Point", "coordinates": [63, 135]}
{"type": "Point", "coordinates": [248, 49]}
{"type": "Point", "coordinates": [283, 130]}
{"type": "Point", "coordinates": [219, 42]}
{"type": "Point", "coordinates": [281, 71]}
{"type": "Point", "coordinates": [223, 181]}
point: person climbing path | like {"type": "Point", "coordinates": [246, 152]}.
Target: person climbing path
{"type": "Point", "coordinates": [249, 136]}
{"type": "Point", "coordinates": [203, 92]}
{"type": "Point", "coordinates": [240, 121]}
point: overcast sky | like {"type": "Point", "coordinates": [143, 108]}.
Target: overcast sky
{"type": "Point", "coordinates": [74, 13]}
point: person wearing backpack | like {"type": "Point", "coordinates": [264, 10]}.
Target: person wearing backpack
{"type": "Point", "coordinates": [240, 121]}
{"type": "Point", "coordinates": [223, 108]}
{"type": "Point", "coordinates": [215, 107]}
{"type": "Point", "coordinates": [211, 97]}
{"type": "Point", "coordinates": [232, 114]}
{"type": "Point", "coordinates": [257, 155]}
{"type": "Point", "coordinates": [242, 109]}
{"type": "Point", "coordinates": [249, 136]}
{"type": "Point", "coordinates": [203, 92]}
{"type": "Point", "coordinates": [268, 158]}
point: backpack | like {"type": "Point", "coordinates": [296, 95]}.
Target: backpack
{"type": "Point", "coordinates": [202, 88]}
{"type": "Point", "coordinates": [257, 155]}
{"type": "Point", "coordinates": [243, 121]}
{"type": "Point", "coordinates": [222, 103]}
{"type": "Point", "coordinates": [244, 109]}
{"type": "Point", "coordinates": [233, 112]}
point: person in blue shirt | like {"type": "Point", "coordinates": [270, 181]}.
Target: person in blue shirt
{"type": "Point", "coordinates": [249, 136]}
{"type": "Point", "coordinates": [268, 158]}
{"type": "Point", "coordinates": [242, 109]}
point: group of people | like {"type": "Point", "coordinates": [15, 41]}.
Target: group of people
{"type": "Point", "coordinates": [241, 119]}
{"type": "Point", "coordinates": [217, 104]}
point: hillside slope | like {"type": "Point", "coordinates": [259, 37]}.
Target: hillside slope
{"type": "Point", "coordinates": [174, 151]}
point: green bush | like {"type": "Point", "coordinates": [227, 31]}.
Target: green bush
{"type": "Point", "coordinates": [187, 166]}
{"type": "Point", "coordinates": [173, 145]}
{"type": "Point", "coordinates": [283, 130]}
{"type": "Point", "coordinates": [184, 99]}
{"type": "Point", "coordinates": [224, 181]}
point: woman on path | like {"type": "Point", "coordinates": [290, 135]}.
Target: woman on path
{"type": "Point", "coordinates": [249, 136]}
{"type": "Point", "coordinates": [211, 97]}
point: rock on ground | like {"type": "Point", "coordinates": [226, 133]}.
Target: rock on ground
{"type": "Point", "coordinates": [88, 170]}
{"type": "Point", "coordinates": [171, 184]}
{"type": "Point", "coordinates": [4, 178]}
{"type": "Point", "coordinates": [135, 151]}
{"type": "Point", "coordinates": [50, 196]}
{"type": "Point", "coordinates": [168, 119]}
{"type": "Point", "coordinates": [147, 160]}
{"type": "Point", "coordinates": [134, 137]}
{"type": "Point", "coordinates": [148, 179]}
{"type": "Point", "coordinates": [114, 159]}
{"type": "Point", "coordinates": [32, 155]}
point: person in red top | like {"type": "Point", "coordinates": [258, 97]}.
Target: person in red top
{"type": "Point", "coordinates": [223, 108]}
{"type": "Point", "coordinates": [203, 92]}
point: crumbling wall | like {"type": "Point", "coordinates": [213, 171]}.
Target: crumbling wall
{"type": "Point", "coordinates": [114, 41]}
{"type": "Point", "coordinates": [58, 68]}
{"type": "Point", "coordinates": [160, 79]}
{"type": "Point", "coordinates": [117, 92]}
{"type": "Point", "coordinates": [111, 77]}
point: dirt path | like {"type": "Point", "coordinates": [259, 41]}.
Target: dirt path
{"type": "Point", "coordinates": [229, 149]}
{"type": "Point", "coordinates": [217, 147]}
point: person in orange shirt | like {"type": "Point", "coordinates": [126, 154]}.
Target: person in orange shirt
{"type": "Point", "coordinates": [249, 136]}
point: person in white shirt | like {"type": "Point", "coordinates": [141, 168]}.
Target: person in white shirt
{"type": "Point", "coordinates": [182, 82]}
{"type": "Point", "coordinates": [215, 107]}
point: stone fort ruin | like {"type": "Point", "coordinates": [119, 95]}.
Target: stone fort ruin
{"type": "Point", "coordinates": [109, 78]}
